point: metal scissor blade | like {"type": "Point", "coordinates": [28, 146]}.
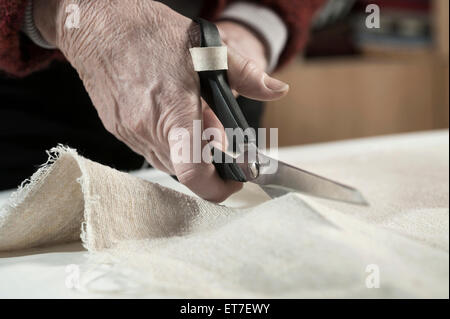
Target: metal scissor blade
{"type": "Point", "coordinates": [274, 192]}
{"type": "Point", "coordinates": [292, 179]}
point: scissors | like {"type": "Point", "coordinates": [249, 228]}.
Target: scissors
{"type": "Point", "coordinates": [252, 165]}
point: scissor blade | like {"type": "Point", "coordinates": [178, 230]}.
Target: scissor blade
{"type": "Point", "coordinates": [274, 192]}
{"type": "Point", "coordinates": [292, 179]}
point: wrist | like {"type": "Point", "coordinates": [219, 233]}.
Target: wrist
{"type": "Point", "coordinates": [243, 31]}
{"type": "Point", "coordinates": [264, 22]}
{"type": "Point", "coordinates": [245, 41]}
{"type": "Point", "coordinates": [45, 13]}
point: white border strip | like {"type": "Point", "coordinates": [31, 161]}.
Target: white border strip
{"type": "Point", "coordinates": [210, 59]}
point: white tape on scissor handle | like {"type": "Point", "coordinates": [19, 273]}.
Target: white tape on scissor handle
{"type": "Point", "coordinates": [210, 58]}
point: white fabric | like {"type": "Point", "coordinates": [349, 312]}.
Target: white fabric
{"type": "Point", "coordinates": [210, 58]}
{"type": "Point", "coordinates": [295, 246]}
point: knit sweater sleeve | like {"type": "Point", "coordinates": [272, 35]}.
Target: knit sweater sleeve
{"type": "Point", "coordinates": [18, 55]}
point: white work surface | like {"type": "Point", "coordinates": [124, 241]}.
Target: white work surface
{"type": "Point", "coordinates": [42, 273]}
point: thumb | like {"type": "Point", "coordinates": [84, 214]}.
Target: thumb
{"type": "Point", "coordinates": [249, 80]}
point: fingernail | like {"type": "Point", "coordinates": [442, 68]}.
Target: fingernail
{"type": "Point", "coordinates": [275, 85]}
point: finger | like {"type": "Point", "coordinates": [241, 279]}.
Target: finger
{"type": "Point", "coordinates": [213, 129]}
{"type": "Point", "coordinates": [165, 161]}
{"type": "Point", "coordinates": [197, 173]}
{"type": "Point", "coordinates": [158, 161]}
{"type": "Point", "coordinates": [250, 81]}
{"type": "Point", "coordinates": [203, 180]}
{"type": "Point", "coordinates": [154, 161]}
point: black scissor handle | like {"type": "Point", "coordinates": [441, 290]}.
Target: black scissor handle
{"type": "Point", "coordinates": [217, 94]}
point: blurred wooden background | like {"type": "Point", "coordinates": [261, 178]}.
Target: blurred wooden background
{"type": "Point", "coordinates": [377, 92]}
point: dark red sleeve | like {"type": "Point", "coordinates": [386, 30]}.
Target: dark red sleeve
{"type": "Point", "coordinates": [18, 55]}
{"type": "Point", "coordinates": [297, 14]}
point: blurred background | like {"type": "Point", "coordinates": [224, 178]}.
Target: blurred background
{"type": "Point", "coordinates": [355, 82]}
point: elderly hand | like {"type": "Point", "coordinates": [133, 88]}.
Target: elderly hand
{"type": "Point", "coordinates": [133, 58]}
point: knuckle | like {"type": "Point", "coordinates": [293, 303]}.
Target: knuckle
{"type": "Point", "coordinates": [248, 70]}
{"type": "Point", "coordinates": [189, 177]}
{"type": "Point", "coordinates": [249, 67]}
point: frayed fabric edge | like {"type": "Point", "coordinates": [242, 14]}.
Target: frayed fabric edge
{"type": "Point", "coordinates": [29, 185]}
{"type": "Point", "coordinates": [86, 234]}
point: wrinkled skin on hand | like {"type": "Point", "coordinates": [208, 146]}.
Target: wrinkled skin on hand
{"type": "Point", "coordinates": [133, 58]}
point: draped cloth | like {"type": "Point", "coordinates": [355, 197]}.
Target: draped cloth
{"type": "Point", "coordinates": [147, 240]}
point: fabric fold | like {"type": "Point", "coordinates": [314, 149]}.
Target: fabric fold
{"type": "Point", "coordinates": [71, 196]}
{"type": "Point", "coordinates": [146, 240]}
